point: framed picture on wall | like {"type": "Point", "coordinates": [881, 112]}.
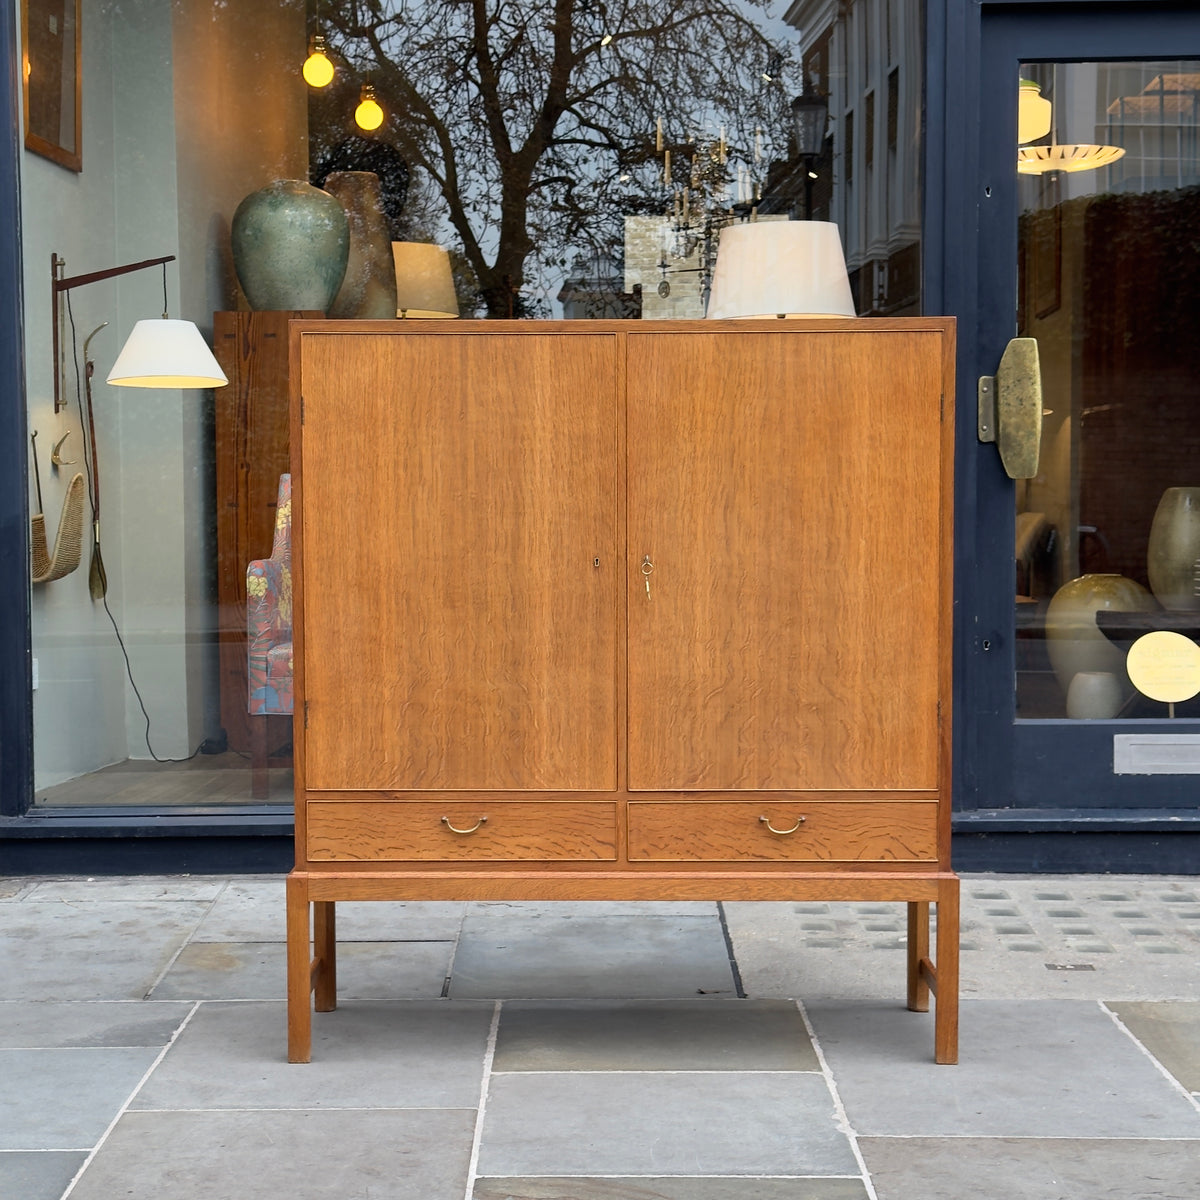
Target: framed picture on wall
{"type": "Point", "coordinates": [51, 72]}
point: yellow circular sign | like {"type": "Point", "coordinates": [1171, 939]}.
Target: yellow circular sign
{"type": "Point", "coordinates": [1165, 666]}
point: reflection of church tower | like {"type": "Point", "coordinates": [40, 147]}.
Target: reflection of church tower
{"type": "Point", "coordinates": [866, 57]}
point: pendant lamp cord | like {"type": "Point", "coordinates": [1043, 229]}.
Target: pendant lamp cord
{"type": "Point", "coordinates": [164, 267]}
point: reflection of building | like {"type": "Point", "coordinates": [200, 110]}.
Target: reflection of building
{"type": "Point", "coordinates": [649, 265]}
{"type": "Point", "coordinates": [592, 291]}
{"type": "Point", "coordinates": [866, 57]}
{"type": "Point", "coordinates": [671, 285]}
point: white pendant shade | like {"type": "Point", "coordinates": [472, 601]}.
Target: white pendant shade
{"type": "Point", "coordinates": [162, 353]}
{"type": "Point", "coordinates": [424, 282]}
{"type": "Point", "coordinates": [780, 268]}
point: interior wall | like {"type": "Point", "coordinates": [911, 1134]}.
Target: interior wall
{"type": "Point", "coordinates": [188, 106]}
{"type": "Point", "coordinates": [78, 705]}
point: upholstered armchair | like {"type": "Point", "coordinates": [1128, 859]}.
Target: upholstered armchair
{"type": "Point", "coordinates": [269, 630]}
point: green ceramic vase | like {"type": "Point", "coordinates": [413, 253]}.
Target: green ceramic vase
{"type": "Point", "coordinates": [291, 242]}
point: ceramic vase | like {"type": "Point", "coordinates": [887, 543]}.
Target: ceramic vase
{"type": "Point", "coordinates": [1094, 696]}
{"type": "Point", "coordinates": [291, 242]}
{"type": "Point", "coordinates": [1073, 639]}
{"type": "Point", "coordinates": [1173, 554]}
{"type": "Point", "coordinates": [369, 286]}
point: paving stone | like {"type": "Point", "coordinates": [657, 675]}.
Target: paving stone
{"type": "Point", "coordinates": [405, 1155]}
{"type": "Point", "coordinates": [645, 1187]}
{"type": "Point", "coordinates": [149, 888]}
{"type": "Point", "coordinates": [85, 1024]}
{"type": "Point", "coordinates": [535, 956]}
{"type": "Point", "coordinates": [1048, 1068]}
{"type": "Point", "coordinates": [648, 1123]}
{"type": "Point", "coordinates": [257, 971]}
{"type": "Point", "coordinates": [44, 1175]}
{"type": "Point", "coordinates": [653, 1035]}
{"type": "Point", "coordinates": [367, 1054]}
{"type": "Point", "coordinates": [926, 1168]}
{"type": "Point", "coordinates": [90, 950]}
{"type": "Point", "coordinates": [597, 909]}
{"type": "Point", "coordinates": [254, 912]}
{"type": "Point", "coordinates": [65, 1099]}
{"type": "Point", "coordinates": [1170, 1030]}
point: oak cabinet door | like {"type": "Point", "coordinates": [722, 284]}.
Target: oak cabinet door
{"type": "Point", "coordinates": [784, 496]}
{"type": "Point", "coordinates": [458, 545]}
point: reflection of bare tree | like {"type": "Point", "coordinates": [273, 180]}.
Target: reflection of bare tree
{"type": "Point", "coordinates": [535, 122]}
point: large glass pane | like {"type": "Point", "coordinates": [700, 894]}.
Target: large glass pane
{"type": "Point", "coordinates": [1108, 533]}
{"type": "Point", "coordinates": [579, 161]}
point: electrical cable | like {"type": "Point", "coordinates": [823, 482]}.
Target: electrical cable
{"type": "Point", "coordinates": [92, 504]}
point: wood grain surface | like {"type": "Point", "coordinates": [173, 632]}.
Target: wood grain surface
{"type": "Point", "coordinates": [513, 831]}
{"type": "Point", "coordinates": [460, 564]}
{"type": "Point", "coordinates": [788, 491]}
{"type": "Point", "coordinates": [711, 831]}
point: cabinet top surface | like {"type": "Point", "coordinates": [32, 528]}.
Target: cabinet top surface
{"type": "Point", "coordinates": [741, 325]}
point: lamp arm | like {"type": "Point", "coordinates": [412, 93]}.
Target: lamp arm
{"type": "Point", "coordinates": [57, 286]}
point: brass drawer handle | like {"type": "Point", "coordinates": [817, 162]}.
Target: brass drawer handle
{"type": "Point", "coordinates": [782, 832]}
{"type": "Point", "coordinates": [481, 821]}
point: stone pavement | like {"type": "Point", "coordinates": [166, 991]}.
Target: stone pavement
{"type": "Point", "coordinates": [597, 1051]}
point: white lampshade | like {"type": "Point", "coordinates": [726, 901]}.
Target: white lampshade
{"type": "Point", "coordinates": [161, 353]}
{"type": "Point", "coordinates": [424, 283]}
{"type": "Point", "coordinates": [780, 268]}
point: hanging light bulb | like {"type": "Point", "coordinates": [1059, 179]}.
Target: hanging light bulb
{"type": "Point", "coordinates": [368, 115]}
{"type": "Point", "coordinates": [317, 69]}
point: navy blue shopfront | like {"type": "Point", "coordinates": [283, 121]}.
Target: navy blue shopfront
{"type": "Point", "coordinates": [1047, 255]}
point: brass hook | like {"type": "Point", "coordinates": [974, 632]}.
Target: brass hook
{"type": "Point", "coordinates": [56, 453]}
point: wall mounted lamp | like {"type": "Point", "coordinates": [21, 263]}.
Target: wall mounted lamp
{"type": "Point", "coordinates": [160, 353]}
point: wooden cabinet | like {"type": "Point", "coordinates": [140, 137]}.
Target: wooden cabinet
{"type": "Point", "coordinates": [251, 438]}
{"type": "Point", "coordinates": [592, 610]}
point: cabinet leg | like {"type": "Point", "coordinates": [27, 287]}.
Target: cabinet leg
{"type": "Point", "coordinates": [945, 1035]}
{"type": "Point", "coordinates": [299, 973]}
{"type": "Point", "coordinates": [325, 939]}
{"type": "Point", "coordinates": [918, 951]}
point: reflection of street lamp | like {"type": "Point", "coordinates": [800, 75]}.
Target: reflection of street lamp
{"type": "Point", "coordinates": [810, 113]}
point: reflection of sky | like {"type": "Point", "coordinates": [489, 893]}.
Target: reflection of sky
{"type": "Point", "coordinates": [785, 38]}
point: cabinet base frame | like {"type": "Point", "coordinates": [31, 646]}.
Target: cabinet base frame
{"type": "Point", "coordinates": [312, 938]}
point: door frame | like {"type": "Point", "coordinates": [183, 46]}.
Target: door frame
{"type": "Point", "coordinates": [987, 777]}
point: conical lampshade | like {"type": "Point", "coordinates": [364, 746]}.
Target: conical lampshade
{"type": "Point", "coordinates": [780, 268]}
{"type": "Point", "coordinates": [162, 353]}
{"type": "Point", "coordinates": [424, 280]}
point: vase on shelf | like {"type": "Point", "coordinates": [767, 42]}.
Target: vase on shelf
{"type": "Point", "coordinates": [1094, 696]}
{"type": "Point", "coordinates": [1173, 554]}
{"type": "Point", "coordinates": [1074, 641]}
{"type": "Point", "coordinates": [369, 287]}
{"type": "Point", "coordinates": [291, 242]}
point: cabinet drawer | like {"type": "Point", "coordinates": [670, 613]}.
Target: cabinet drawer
{"type": "Point", "coordinates": [405, 830]}
{"type": "Point", "coordinates": [714, 831]}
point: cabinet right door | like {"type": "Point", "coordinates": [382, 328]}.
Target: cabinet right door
{"type": "Point", "coordinates": [785, 506]}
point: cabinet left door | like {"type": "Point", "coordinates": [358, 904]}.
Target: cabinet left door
{"type": "Point", "coordinates": [457, 553]}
